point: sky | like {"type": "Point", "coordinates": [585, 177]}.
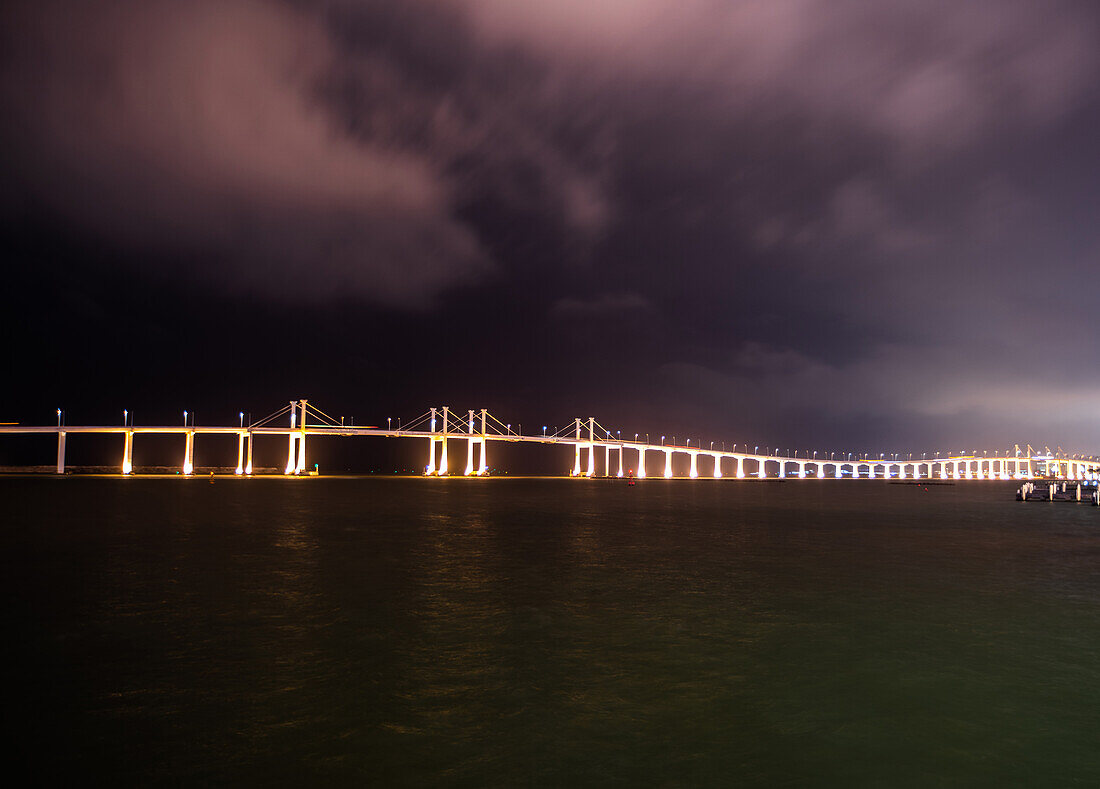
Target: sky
{"type": "Point", "coordinates": [806, 224]}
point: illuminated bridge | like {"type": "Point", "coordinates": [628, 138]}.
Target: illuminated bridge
{"type": "Point", "coordinates": [597, 451]}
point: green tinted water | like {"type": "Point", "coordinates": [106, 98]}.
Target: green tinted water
{"type": "Point", "coordinates": [552, 632]}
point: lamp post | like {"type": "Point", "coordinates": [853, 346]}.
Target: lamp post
{"type": "Point", "coordinates": [185, 419]}
{"type": "Point", "coordinates": [242, 419]}
{"type": "Point", "coordinates": [59, 417]}
{"type": "Point", "coordinates": [125, 416]}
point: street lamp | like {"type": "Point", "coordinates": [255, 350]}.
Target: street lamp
{"type": "Point", "coordinates": [389, 421]}
{"type": "Point", "coordinates": [544, 431]}
{"type": "Point", "coordinates": [662, 439]}
{"type": "Point", "coordinates": [125, 414]}
{"type": "Point", "coordinates": [185, 419]}
{"type": "Point", "coordinates": [242, 419]}
{"type": "Point", "coordinates": [59, 417]}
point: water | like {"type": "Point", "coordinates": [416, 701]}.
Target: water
{"type": "Point", "coordinates": [550, 632]}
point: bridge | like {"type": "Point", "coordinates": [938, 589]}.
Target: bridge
{"type": "Point", "coordinates": [441, 428]}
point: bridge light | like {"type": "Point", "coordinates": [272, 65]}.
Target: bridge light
{"type": "Point", "coordinates": [185, 419]}
{"type": "Point", "coordinates": [125, 414]}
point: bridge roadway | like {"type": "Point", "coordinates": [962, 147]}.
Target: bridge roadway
{"type": "Point", "coordinates": [953, 467]}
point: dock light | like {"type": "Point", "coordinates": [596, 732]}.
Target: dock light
{"type": "Point", "coordinates": [662, 440]}
{"type": "Point", "coordinates": [125, 414]}
{"type": "Point", "coordinates": [635, 435]}
{"type": "Point", "coordinates": [544, 431]}
{"type": "Point", "coordinates": [241, 415]}
{"type": "Point", "coordinates": [185, 419]}
{"type": "Point", "coordinates": [509, 429]}
{"type": "Point", "coordinates": [59, 417]}
{"type": "Point", "coordinates": [389, 419]}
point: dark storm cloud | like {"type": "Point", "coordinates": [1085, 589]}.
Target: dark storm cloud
{"type": "Point", "coordinates": [809, 217]}
{"type": "Point", "coordinates": [211, 132]}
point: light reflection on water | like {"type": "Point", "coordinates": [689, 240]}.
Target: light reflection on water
{"type": "Point", "coordinates": [474, 632]}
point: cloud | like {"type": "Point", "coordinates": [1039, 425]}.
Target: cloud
{"type": "Point", "coordinates": [926, 75]}
{"type": "Point", "coordinates": [942, 391]}
{"type": "Point", "coordinates": [194, 131]}
{"type": "Point", "coordinates": [608, 303]}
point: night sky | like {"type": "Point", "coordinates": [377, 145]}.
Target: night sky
{"type": "Point", "coordinates": [814, 224]}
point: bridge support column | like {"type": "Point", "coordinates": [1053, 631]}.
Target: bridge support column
{"type": "Point", "coordinates": [870, 471]}
{"type": "Point", "coordinates": [470, 445]}
{"type": "Point", "coordinates": [718, 467]}
{"type": "Point", "coordinates": [443, 471]}
{"type": "Point", "coordinates": [577, 451]}
{"type": "Point", "coordinates": [761, 469]}
{"type": "Point", "coordinates": [483, 468]}
{"type": "Point", "coordinates": [607, 460]}
{"type": "Point", "coordinates": [128, 453]}
{"type": "Point", "coordinates": [740, 467]}
{"type": "Point", "coordinates": [620, 460]}
{"type": "Point", "coordinates": [641, 462]}
{"type": "Point", "coordinates": [301, 465]}
{"type": "Point", "coordinates": [61, 452]}
{"type": "Point", "coordinates": [291, 461]}
{"type": "Point", "coordinates": [782, 469]}
{"type": "Point", "coordinates": [693, 472]}
{"type": "Point", "coordinates": [189, 454]}
{"type": "Point", "coordinates": [668, 464]}
{"type": "Point", "coordinates": [901, 471]}
{"type": "Point", "coordinates": [802, 471]}
{"type": "Point", "coordinates": [430, 469]}
{"type": "Point", "coordinates": [248, 464]}
{"type": "Point", "coordinates": [591, 447]}
{"type": "Point", "coordinates": [240, 454]}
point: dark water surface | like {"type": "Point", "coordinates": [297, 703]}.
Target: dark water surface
{"type": "Point", "coordinates": [550, 632]}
